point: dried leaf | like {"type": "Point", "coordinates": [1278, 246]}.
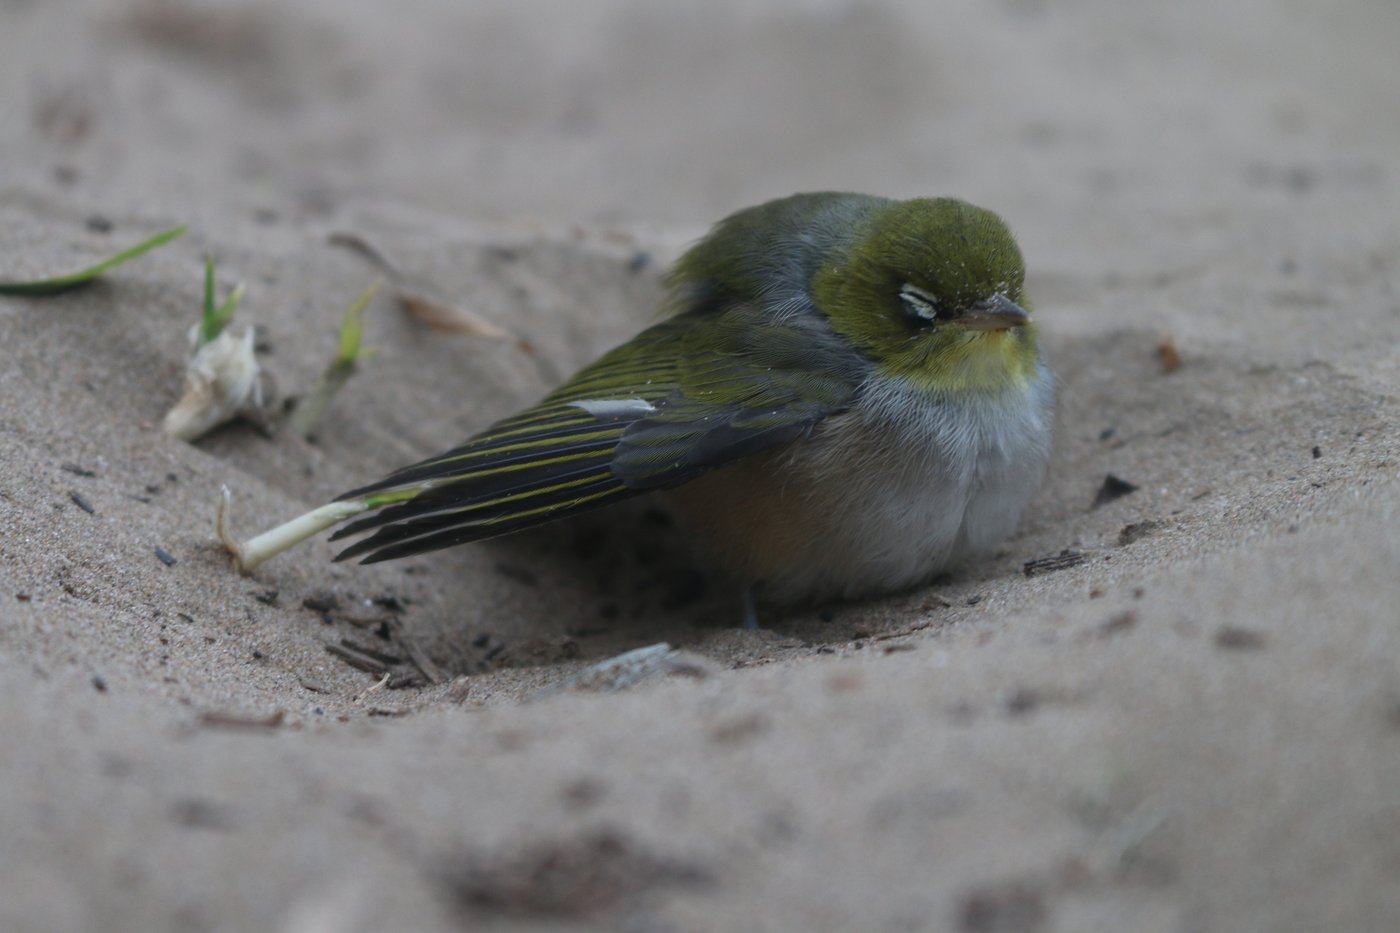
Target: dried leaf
{"type": "Point", "coordinates": [443, 317]}
{"type": "Point", "coordinates": [1168, 354]}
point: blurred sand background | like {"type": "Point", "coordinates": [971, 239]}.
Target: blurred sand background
{"type": "Point", "coordinates": [1194, 728]}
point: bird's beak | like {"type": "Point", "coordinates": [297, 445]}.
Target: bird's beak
{"type": "Point", "coordinates": [995, 313]}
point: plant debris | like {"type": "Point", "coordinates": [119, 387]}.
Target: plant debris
{"type": "Point", "coordinates": [62, 283]}
{"type": "Point", "coordinates": [383, 657]}
{"type": "Point", "coordinates": [322, 603]}
{"type": "Point", "coordinates": [579, 877]}
{"type": "Point", "coordinates": [247, 555]}
{"type": "Point", "coordinates": [1061, 561]}
{"type": "Point", "coordinates": [221, 383]}
{"type": "Point", "coordinates": [358, 659]}
{"type": "Point", "coordinates": [733, 730]}
{"type": "Point", "coordinates": [222, 378]}
{"type": "Point", "coordinates": [419, 303]}
{"type": "Point", "coordinates": [410, 668]}
{"type": "Point", "coordinates": [361, 245]}
{"type": "Point", "coordinates": [312, 406]}
{"type": "Point", "coordinates": [373, 688]}
{"type": "Point", "coordinates": [419, 659]}
{"type": "Point", "coordinates": [1113, 488]}
{"type": "Point", "coordinates": [1136, 531]}
{"type": "Point", "coordinates": [1168, 354]}
{"type": "Point", "coordinates": [908, 630]}
{"type": "Point", "coordinates": [440, 316]}
{"type": "Point", "coordinates": [240, 721]}
{"type": "Point", "coordinates": [80, 502]}
{"type": "Point", "coordinates": [1235, 638]}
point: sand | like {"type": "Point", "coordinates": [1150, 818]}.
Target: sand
{"type": "Point", "coordinates": [1190, 723]}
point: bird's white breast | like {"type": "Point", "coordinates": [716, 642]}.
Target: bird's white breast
{"type": "Point", "coordinates": [904, 487]}
{"type": "Point", "coordinates": [881, 497]}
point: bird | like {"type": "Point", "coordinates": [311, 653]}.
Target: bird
{"type": "Point", "coordinates": [845, 397]}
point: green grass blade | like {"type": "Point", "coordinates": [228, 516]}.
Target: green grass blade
{"type": "Point", "coordinates": [308, 411]}
{"type": "Point", "coordinates": [208, 293]}
{"type": "Point", "coordinates": [352, 328]}
{"type": "Point", "coordinates": [82, 277]}
{"type": "Point", "coordinates": [224, 313]}
{"type": "Point", "coordinates": [214, 319]}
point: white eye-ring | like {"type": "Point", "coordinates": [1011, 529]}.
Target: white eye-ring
{"type": "Point", "coordinates": [919, 303]}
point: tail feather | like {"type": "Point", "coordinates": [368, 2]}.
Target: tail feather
{"type": "Point", "coordinates": [405, 538]}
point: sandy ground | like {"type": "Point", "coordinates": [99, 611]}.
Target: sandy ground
{"type": "Point", "coordinates": [1194, 728]}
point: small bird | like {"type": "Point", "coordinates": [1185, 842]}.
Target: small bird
{"type": "Point", "coordinates": [847, 398]}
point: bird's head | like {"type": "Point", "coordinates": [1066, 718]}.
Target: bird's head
{"type": "Point", "coordinates": [932, 292]}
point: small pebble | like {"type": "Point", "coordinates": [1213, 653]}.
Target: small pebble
{"type": "Point", "coordinates": [1239, 639]}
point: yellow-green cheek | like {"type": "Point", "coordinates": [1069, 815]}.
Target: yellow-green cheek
{"type": "Point", "coordinates": [981, 361]}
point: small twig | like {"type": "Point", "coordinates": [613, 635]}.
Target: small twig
{"type": "Point", "coordinates": [363, 621]}
{"type": "Point", "coordinates": [358, 660]}
{"type": "Point", "coordinates": [1061, 561]}
{"type": "Point", "coordinates": [418, 303]}
{"type": "Point", "coordinates": [917, 627]}
{"type": "Point", "coordinates": [358, 244]}
{"type": "Point", "coordinates": [238, 721]}
{"type": "Point", "coordinates": [419, 659]}
{"type": "Point", "coordinates": [380, 685]}
{"type": "Point", "coordinates": [383, 657]}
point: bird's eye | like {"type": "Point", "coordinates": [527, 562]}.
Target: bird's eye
{"type": "Point", "coordinates": [919, 305]}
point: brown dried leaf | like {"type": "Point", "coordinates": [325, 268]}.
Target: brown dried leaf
{"type": "Point", "coordinates": [1168, 354]}
{"type": "Point", "coordinates": [443, 317]}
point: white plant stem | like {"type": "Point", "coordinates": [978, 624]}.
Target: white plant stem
{"type": "Point", "coordinates": [249, 554]}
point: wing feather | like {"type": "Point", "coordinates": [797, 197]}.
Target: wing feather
{"type": "Point", "coordinates": [685, 396]}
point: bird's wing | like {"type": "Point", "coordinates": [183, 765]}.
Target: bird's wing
{"type": "Point", "coordinates": [687, 395]}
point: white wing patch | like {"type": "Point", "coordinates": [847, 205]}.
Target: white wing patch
{"type": "Point", "coordinates": [613, 407]}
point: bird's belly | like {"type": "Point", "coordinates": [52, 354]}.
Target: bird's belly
{"type": "Point", "coordinates": [854, 511]}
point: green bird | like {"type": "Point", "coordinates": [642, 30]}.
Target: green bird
{"type": "Point", "coordinates": [847, 399]}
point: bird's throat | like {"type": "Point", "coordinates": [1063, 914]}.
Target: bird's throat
{"type": "Point", "coordinates": [974, 361]}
